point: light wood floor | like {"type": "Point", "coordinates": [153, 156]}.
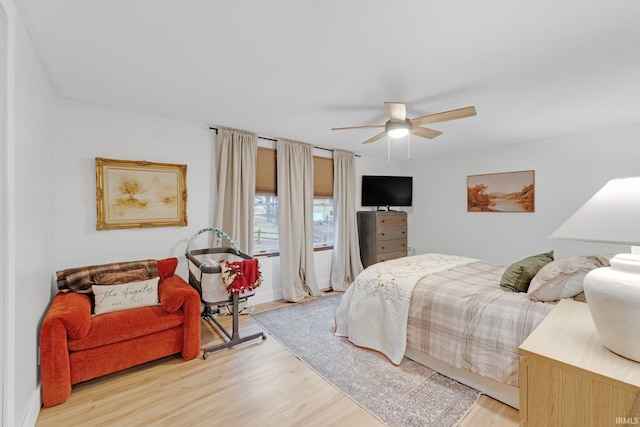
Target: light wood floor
{"type": "Point", "coordinates": [258, 383]}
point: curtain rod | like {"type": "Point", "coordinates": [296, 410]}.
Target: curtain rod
{"type": "Point", "coordinates": [275, 140]}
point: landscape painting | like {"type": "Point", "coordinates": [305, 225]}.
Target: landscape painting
{"type": "Point", "coordinates": [136, 194]}
{"type": "Point", "coordinates": [501, 192]}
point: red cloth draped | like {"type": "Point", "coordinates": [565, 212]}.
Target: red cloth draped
{"type": "Point", "coordinates": [241, 276]}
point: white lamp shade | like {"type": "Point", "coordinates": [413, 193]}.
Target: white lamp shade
{"type": "Point", "coordinates": [612, 215]}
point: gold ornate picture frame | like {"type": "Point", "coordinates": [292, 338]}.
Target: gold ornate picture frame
{"type": "Point", "coordinates": [140, 194]}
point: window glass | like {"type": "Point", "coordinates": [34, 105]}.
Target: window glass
{"type": "Point", "coordinates": [322, 223]}
{"type": "Point", "coordinates": [265, 225]}
{"type": "Point", "coordinates": [265, 230]}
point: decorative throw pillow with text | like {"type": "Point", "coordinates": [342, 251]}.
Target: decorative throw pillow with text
{"type": "Point", "coordinates": [125, 296]}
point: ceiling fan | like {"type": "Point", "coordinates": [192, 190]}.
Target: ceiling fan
{"type": "Point", "coordinates": [399, 125]}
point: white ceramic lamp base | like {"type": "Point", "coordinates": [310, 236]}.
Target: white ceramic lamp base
{"type": "Point", "coordinates": [613, 296]}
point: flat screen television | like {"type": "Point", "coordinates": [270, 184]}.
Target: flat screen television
{"type": "Point", "coordinates": [387, 191]}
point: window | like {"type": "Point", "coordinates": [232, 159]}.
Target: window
{"type": "Point", "coordinates": [265, 225]}
{"type": "Point", "coordinates": [322, 202]}
{"type": "Point", "coordinates": [266, 203]}
{"type": "Point", "coordinates": [322, 223]}
{"type": "Point", "coordinates": [265, 214]}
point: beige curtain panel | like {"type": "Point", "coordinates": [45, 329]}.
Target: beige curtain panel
{"type": "Point", "coordinates": [346, 264]}
{"type": "Point", "coordinates": [295, 219]}
{"type": "Point", "coordinates": [236, 166]}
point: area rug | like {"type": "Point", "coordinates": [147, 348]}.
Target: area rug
{"type": "Point", "coordinates": [401, 396]}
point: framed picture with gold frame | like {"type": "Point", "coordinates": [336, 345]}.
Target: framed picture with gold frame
{"type": "Point", "coordinates": [140, 194]}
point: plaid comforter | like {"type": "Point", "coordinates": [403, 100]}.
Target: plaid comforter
{"type": "Point", "coordinates": [448, 307]}
{"type": "Point", "coordinates": [374, 310]}
{"type": "Point", "coordinates": [461, 316]}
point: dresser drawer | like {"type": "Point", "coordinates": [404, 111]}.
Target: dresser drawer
{"type": "Point", "coordinates": [391, 255]}
{"type": "Point", "coordinates": [388, 246]}
{"type": "Point", "coordinates": [391, 220]}
{"type": "Point", "coordinates": [391, 233]}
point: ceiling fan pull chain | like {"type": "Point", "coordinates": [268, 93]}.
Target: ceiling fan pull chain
{"type": "Point", "coordinates": [408, 146]}
{"type": "Point", "coordinates": [388, 148]}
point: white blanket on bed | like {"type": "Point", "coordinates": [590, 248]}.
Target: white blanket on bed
{"type": "Point", "coordinates": [377, 317]}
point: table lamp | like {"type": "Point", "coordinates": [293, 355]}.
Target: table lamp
{"type": "Point", "coordinates": [612, 216]}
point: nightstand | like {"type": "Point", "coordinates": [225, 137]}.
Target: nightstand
{"type": "Point", "coordinates": [569, 378]}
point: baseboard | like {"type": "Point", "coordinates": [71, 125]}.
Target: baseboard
{"type": "Point", "coordinates": [33, 410]}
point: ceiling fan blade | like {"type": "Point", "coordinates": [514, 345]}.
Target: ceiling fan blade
{"type": "Point", "coordinates": [375, 138]}
{"type": "Point", "coordinates": [397, 111]}
{"type": "Point", "coordinates": [358, 127]}
{"type": "Point", "coordinates": [459, 113]}
{"type": "Point", "coordinates": [425, 132]}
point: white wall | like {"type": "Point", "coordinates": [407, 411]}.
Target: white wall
{"type": "Point", "coordinates": [86, 132]}
{"type": "Point", "coordinates": [568, 171]}
{"type": "Point", "coordinates": [4, 168]}
{"type": "Point", "coordinates": [31, 187]}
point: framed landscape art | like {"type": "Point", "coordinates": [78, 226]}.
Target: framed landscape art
{"type": "Point", "coordinates": [501, 192]}
{"type": "Point", "coordinates": [139, 194]}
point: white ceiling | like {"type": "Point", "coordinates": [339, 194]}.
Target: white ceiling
{"type": "Point", "coordinates": [295, 69]}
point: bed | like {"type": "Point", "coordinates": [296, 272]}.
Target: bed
{"type": "Point", "coordinates": [451, 314]}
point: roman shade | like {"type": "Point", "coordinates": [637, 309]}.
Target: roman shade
{"type": "Point", "coordinates": [266, 182]}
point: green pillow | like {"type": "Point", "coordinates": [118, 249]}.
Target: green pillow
{"type": "Point", "coordinates": [518, 275]}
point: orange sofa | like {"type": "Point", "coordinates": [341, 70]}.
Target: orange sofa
{"type": "Point", "coordinates": [76, 346]}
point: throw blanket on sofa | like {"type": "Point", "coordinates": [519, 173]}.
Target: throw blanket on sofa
{"type": "Point", "coordinates": [375, 308]}
{"type": "Point", "coordinates": [81, 279]}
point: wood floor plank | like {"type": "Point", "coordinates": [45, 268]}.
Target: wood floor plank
{"type": "Point", "coordinates": [255, 383]}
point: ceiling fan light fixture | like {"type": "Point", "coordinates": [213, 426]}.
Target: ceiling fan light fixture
{"type": "Point", "coordinates": [398, 133]}
{"type": "Point", "coordinates": [397, 129]}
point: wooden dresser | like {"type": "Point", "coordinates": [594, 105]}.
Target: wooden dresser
{"type": "Point", "coordinates": [383, 236]}
{"type": "Point", "coordinates": [569, 378]}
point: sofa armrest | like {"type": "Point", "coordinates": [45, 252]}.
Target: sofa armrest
{"type": "Point", "coordinates": [73, 310]}
{"type": "Point", "coordinates": [175, 294]}
{"type": "Point", "coordinates": [68, 316]}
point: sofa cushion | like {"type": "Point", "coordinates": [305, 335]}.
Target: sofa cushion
{"type": "Point", "coordinates": [109, 328]}
{"type": "Point", "coordinates": [167, 267]}
{"type": "Point", "coordinates": [125, 296]}
{"type": "Point", "coordinates": [119, 277]}
{"type": "Point", "coordinates": [95, 362]}
{"type": "Point", "coordinates": [174, 293]}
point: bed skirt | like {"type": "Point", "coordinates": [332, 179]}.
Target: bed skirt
{"type": "Point", "coordinates": [503, 392]}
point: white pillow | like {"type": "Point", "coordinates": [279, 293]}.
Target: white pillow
{"type": "Point", "coordinates": [110, 298]}
{"type": "Point", "coordinates": [563, 278]}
